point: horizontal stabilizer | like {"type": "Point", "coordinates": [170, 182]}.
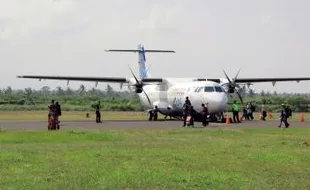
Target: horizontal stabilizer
{"type": "Point", "coordinates": [135, 51]}
{"type": "Point", "coordinates": [121, 50]}
{"type": "Point", "coordinates": [160, 51]}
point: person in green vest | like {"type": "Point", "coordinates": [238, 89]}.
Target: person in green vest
{"type": "Point", "coordinates": [235, 110]}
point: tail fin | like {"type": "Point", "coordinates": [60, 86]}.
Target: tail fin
{"type": "Point", "coordinates": [143, 71]}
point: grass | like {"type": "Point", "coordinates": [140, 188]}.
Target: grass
{"type": "Point", "coordinates": [156, 159]}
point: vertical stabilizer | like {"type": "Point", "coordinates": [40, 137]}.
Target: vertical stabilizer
{"type": "Point", "coordinates": [143, 70]}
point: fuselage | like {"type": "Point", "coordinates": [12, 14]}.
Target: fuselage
{"type": "Point", "coordinates": [170, 95]}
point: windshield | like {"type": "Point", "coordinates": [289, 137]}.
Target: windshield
{"type": "Point", "coordinates": [209, 89]}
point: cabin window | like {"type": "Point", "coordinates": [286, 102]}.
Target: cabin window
{"type": "Point", "coordinates": [209, 89]}
{"type": "Point", "coordinates": [218, 89]}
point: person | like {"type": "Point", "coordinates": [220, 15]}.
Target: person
{"type": "Point", "coordinates": [252, 108]}
{"type": "Point", "coordinates": [185, 113]}
{"type": "Point", "coordinates": [186, 107]}
{"type": "Point", "coordinates": [283, 117]}
{"type": "Point", "coordinates": [155, 113]}
{"type": "Point", "coordinates": [150, 113]}
{"type": "Point", "coordinates": [288, 111]}
{"type": "Point", "coordinates": [245, 114]}
{"type": "Point", "coordinates": [98, 115]}
{"type": "Point", "coordinates": [192, 113]}
{"type": "Point", "coordinates": [264, 112]}
{"type": "Point", "coordinates": [187, 101]}
{"type": "Point", "coordinates": [249, 111]}
{"type": "Point", "coordinates": [57, 114]}
{"type": "Point", "coordinates": [204, 114]}
{"type": "Point", "coordinates": [51, 115]}
{"type": "Point", "coordinates": [235, 110]}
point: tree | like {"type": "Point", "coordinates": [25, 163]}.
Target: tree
{"type": "Point", "coordinates": [251, 93]}
{"type": "Point", "coordinates": [109, 90]}
{"type": "Point", "coordinates": [8, 91]}
{"type": "Point", "coordinates": [45, 90]}
{"type": "Point", "coordinates": [69, 91]}
{"type": "Point", "coordinates": [262, 93]}
{"type": "Point", "coordinates": [59, 91]}
{"type": "Point", "coordinates": [28, 96]}
{"type": "Point", "coordinates": [81, 89]}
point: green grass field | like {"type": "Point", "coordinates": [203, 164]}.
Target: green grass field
{"type": "Point", "coordinates": [156, 159]}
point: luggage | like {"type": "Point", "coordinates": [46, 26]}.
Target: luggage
{"type": "Point", "coordinates": [188, 120]}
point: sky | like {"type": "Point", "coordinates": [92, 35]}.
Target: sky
{"type": "Point", "coordinates": [266, 38]}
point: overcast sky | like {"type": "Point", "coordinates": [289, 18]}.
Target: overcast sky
{"type": "Point", "coordinates": [266, 38]}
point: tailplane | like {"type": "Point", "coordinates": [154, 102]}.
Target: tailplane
{"type": "Point", "coordinates": [143, 71]}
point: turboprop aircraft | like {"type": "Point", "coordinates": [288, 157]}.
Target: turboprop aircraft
{"type": "Point", "coordinates": [168, 94]}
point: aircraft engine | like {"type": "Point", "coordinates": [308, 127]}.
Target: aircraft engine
{"type": "Point", "coordinates": [138, 90]}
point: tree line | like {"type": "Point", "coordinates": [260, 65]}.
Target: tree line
{"type": "Point", "coordinates": [83, 99]}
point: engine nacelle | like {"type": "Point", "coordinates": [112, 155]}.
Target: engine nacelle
{"type": "Point", "coordinates": [138, 90]}
{"type": "Point", "coordinates": [231, 90]}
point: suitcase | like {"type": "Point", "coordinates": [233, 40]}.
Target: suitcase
{"type": "Point", "coordinates": [188, 120]}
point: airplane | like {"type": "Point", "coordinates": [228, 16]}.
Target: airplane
{"type": "Point", "coordinates": [168, 94]}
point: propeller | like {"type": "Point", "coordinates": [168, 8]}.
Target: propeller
{"type": "Point", "coordinates": [139, 85]}
{"type": "Point", "coordinates": [232, 85]}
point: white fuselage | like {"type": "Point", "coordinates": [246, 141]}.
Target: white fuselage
{"type": "Point", "coordinates": [172, 93]}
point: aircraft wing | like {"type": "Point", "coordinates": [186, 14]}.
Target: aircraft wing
{"type": "Point", "coordinates": [254, 80]}
{"type": "Point", "coordinates": [93, 79]}
{"type": "Point", "coordinates": [257, 80]}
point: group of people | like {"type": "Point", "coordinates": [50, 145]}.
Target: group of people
{"type": "Point", "coordinates": [249, 109]}
{"type": "Point", "coordinates": [191, 113]}
{"type": "Point", "coordinates": [53, 115]}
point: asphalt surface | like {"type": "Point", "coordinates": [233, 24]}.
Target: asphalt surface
{"type": "Point", "coordinates": [130, 124]}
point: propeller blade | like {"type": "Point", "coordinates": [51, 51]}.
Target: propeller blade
{"type": "Point", "coordinates": [240, 97]}
{"type": "Point", "coordinates": [148, 99]}
{"type": "Point", "coordinates": [133, 74]}
{"type": "Point", "coordinates": [237, 74]}
{"type": "Point", "coordinates": [227, 76]}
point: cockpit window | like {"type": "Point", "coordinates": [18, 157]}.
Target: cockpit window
{"type": "Point", "coordinates": [218, 89]}
{"type": "Point", "coordinates": [209, 89]}
{"type": "Point", "coordinates": [200, 89]}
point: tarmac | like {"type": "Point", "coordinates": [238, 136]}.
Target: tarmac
{"type": "Point", "coordinates": [138, 124]}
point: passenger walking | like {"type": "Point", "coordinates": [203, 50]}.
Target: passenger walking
{"type": "Point", "coordinates": [283, 117]}
{"type": "Point", "coordinates": [98, 114]}
{"type": "Point", "coordinates": [186, 108]}
{"type": "Point", "coordinates": [192, 113]}
{"type": "Point", "coordinates": [57, 114]}
{"type": "Point", "coordinates": [51, 116]}
{"type": "Point", "coordinates": [249, 111]}
{"type": "Point", "coordinates": [245, 114]}
{"type": "Point", "coordinates": [264, 112]}
{"type": "Point", "coordinates": [235, 110]}
{"type": "Point", "coordinates": [155, 113]}
{"type": "Point", "coordinates": [204, 114]}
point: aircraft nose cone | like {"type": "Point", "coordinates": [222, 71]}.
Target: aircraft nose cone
{"type": "Point", "coordinates": [218, 102]}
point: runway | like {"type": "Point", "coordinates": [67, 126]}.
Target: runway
{"type": "Point", "coordinates": [137, 124]}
